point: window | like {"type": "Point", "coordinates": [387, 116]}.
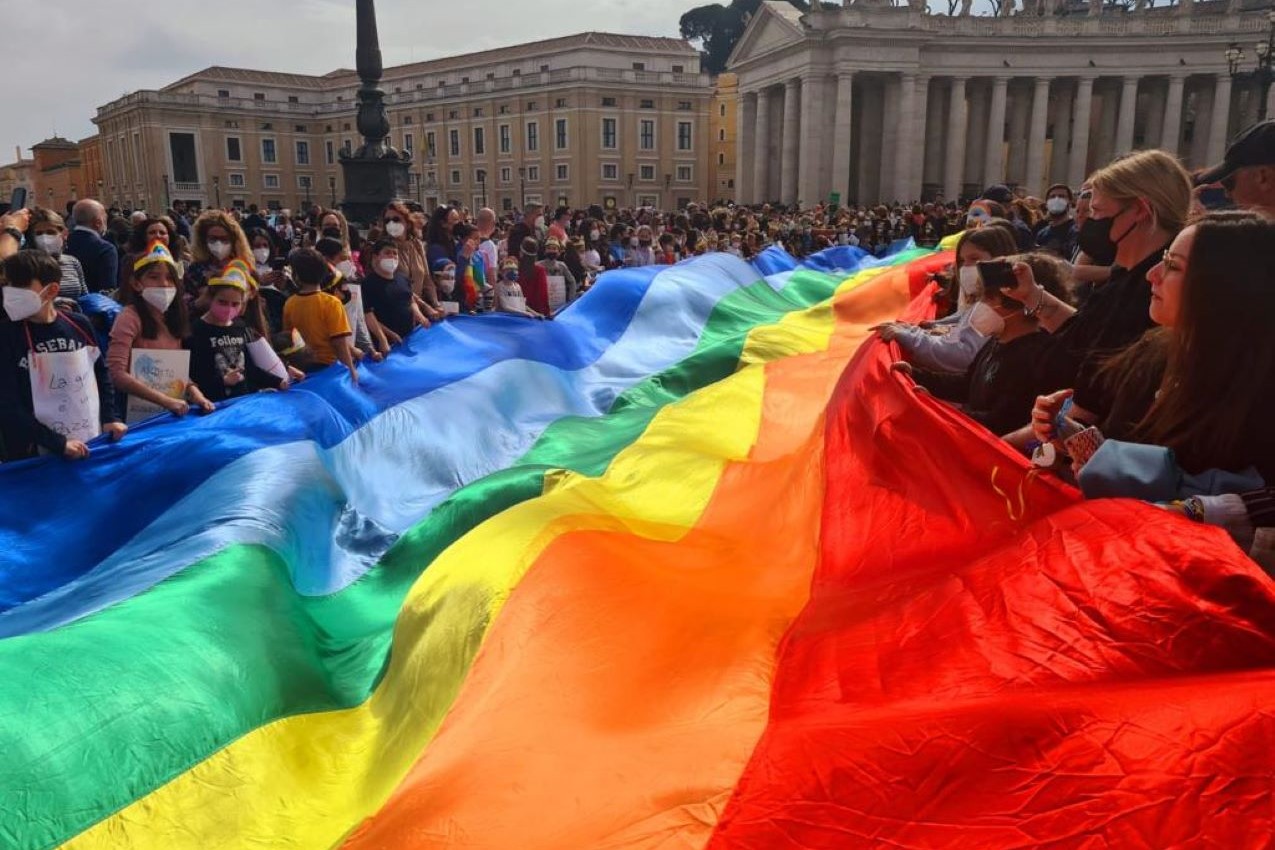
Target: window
{"type": "Point", "coordinates": [453, 114]}
{"type": "Point", "coordinates": [531, 106]}
{"type": "Point", "coordinates": [237, 181]}
{"type": "Point", "coordinates": [233, 151]}
{"type": "Point", "coordinates": [678, 69]}
{"type": "Point", "coordinates": [560, 134]}
{"type": "Point", "coordinates": [683, 106]}
{"type": "Point", "coordinates": [478, 112]}
{"type": "Point", "coordinates": [346, 128]}
{"type": "Point", "coordinates": [271, 181]}
{"type": "Point", "coordinates": [610, 171]}
{"type": "Point", "coordinates": [429, 117]}
{"type": "Point", "coordinates": [504, 109]}
{"type": "Point", "coordinates": [305, 181]}
{"type": "Point", "coordinates": [646, 104]}
{"type": "Point", "coordinates": [608, 101]}
{"type": "Point", "coordinates": [480, 176]}
{"type": "Point", "coordinates": [683, 135]}
{"type": "Point", "coordinates": [721, 135]}
{"type": "Point", "coordinates": [329, 152]}
{"type": "Point", "coordinates": [506, 204]}
{"type": "Point", "coordinates": [303, 153]}
{"type": "Point", "coordinates": [506, 139]}
{"type": "Point", "coordinates": [431, 147]}
{"type": "Point", "coordinates": [409, 142]}
{"type": "Point", "coordinates": [506, 175]}
{"type": "Point", "coordinates": [648, 201]}
{"type": "Point", "coordinates": [560, 172]}
{"type": "Point", "coordinates": [464, 80]}
{"type": "Point", "coordinates": [223, 92]}
{"type": "Point", "coordinates": [639, 66]}
{"type": "Point", "coordinates": [292, 98]}
{"type": "Point", "coordinates": [646, 135]}
{"type": "Point", "coordinates": [258, 95]}
{"type": "Point", "coordinates": [267, 126]}
{"type": "Point", "coordinates": [533, 136]}
{"type": "Point", "coordinates": [609, 133]}
{"type": "Point", "coordinates": [181, 148]}
{"type": "Point", "coordinates": [721, 110]}
{"type": "Point", "coordinates": [646, 172]}
{"type": "Point", "coordinates": [407, 120]}
{"type": "Point", "coordinates": [453, 142]}
{"type": "Point", "coordinates": [491, 75]}
{"type": "Point", "coordinates": [533, 173]}
{"type": "Point", "coordinates": [347, 146]}
{"type": "Point", "coordinates": [232, 125]}
{"type": "Point", "coordinates": [455, 176]}
{"type": "Point", "coordinates": [480, 141]}
{"type": "Point", "coordinates": [268, 153]}
{"type": "Point", "coordinates": [683, 174]}
{"type": "Point", "coordinates": [560, 103]}
{"type": "Point", "coordinates": [544, 68]}
{"type": "Point", "coordinates": [517, 72]}
{"type": "Point", "coordinates": [299, 128]}
{"type": "Point", "coordinates": [721, 159]}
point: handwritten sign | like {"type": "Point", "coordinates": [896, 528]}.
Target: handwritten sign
{"type": "Point", "coordinates": [64, 392]}
{"type": "Point", "coordinates": [164, 371]}
{"type": "Point", "coordinates": [557, 292]}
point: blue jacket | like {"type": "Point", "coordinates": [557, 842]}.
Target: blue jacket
{"type": "Point", "coordinates": [98, 257]}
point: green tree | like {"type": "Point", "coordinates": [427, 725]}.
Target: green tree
{"type": "Point", "coordinates": [717, 29]}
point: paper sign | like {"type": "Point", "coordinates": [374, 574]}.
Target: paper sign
{"type": "Point", "coordinates": [64, 392]}
{"type": "Point", "coordinates": [450, 308]}
{"type": "Point", "coordinates": [557, 292]}
{"type": "Point", "coordinates": [354, 307]}
{"type": "Point", "coordinates": [163, 371]}
{"type": "Point", "coordinates": [265, 359]}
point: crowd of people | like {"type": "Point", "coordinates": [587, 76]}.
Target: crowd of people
{"type": "Point", "coordinates": [1118, 333]}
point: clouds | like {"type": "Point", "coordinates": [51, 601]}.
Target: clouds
{"type": "Point", "coordinates": [72, 56]}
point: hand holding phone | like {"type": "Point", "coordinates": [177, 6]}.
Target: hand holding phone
{"type": "Point", "coordinates": [997, 275]}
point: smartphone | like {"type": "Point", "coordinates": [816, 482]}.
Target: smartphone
{"type": "Point", "coordinates": [18, 200]}
{"type": "Point", "coordinates": [278, 264]}
{"type": "Point", "coordinates": [997, 274]}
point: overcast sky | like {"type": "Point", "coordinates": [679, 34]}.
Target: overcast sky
{"type": "Point", "coordinates": [65, 58]}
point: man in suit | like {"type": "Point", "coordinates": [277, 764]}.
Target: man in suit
{"type": "Point", "coordinates": [99, 258]}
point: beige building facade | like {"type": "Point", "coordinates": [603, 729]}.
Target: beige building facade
{"type": "Point", "coordinates": [723, 128]}
{"type": "Point", "coordinates": [19, 174]}
{"type": "Point", "coordinates": [871, 102]}
{"type": "Point", "coordinates": [590, 118]}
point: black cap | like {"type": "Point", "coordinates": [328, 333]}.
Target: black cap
{"type": "Point", "coordinates": [1255, 146]}
{"type": "Point", "coordinates": [998, 193]}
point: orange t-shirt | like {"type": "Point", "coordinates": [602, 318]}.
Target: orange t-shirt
{"type": "Point", "coordinates": [320, 318]}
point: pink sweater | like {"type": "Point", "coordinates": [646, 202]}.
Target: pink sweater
{"type": "Point", "coordinates": [126, 334]}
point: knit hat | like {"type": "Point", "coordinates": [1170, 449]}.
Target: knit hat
{"type": "Point", "coordinates": [156, 253]}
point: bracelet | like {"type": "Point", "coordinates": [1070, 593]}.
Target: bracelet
{"type": "Point", "coordinates": [1031, 314]}
{"type": "Point", "coordinates": [1192, 507]}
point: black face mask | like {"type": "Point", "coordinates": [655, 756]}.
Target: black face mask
{"type": "Point", "coordinates": [1094, 238]}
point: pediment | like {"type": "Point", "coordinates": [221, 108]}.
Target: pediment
{"type": "Point", "coordinates": [769, 30]}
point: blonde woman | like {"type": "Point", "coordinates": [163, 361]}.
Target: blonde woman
{"type": "Point", "coordinates": [217, 239]}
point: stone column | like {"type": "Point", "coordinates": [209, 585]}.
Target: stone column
{"type": "Point", "coordinates": [890, 134]}
{"type": "Point", "coordinates": [915, 181]}
{"type": "Point", "coordinates": [1080, 121]}
{"type": "Point", "coordinates": [1017, 106]}
{"type": "Point", "coordinates": [745, 146]}
{"type": "Point", "coordinates": [980, 101]}
{"type": "Point", "coordinates": [935, 131]}
{"type": "Point", "coordinates": [1036, 137]}
{"type": "Point", "coordinates": [812, 140]}
{"type": "Point", "coordinates": [1128, 115]}
{"type": "Point", "coordinates": [904, 157]}
{"type": "Point", "coordinates": [1154, 130]}
{"type": "Point", "coordinates": [1062, 103]}
{"type": "Point", "coordinates": [994, 160]}
{"type": "Point", "coordinates": [958, 125]}
{"type": "Point", "coordinates": [1219, 118]}
{"type": "Point", "coordinates": [761, 150]}
{"type": "Point", "coordinates": [791, 135]}
{"type": "Point", "coordinates": [842, 134]}
{"type": "Point", "coordinates": [1173, 114]}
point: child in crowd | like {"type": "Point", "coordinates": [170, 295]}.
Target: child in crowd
{"type": "Point", "coordinates": [387, 293]}
{"type": "Point", "coordinates": [555, 267]}
{"type": "Point", "coordinates": [509, 295]}
{"type": "Point", "coordinates": [55, 392]}
{"type": "Point", "coordinates": [345, 286]}
{"type": "Point", "coordinates": [444, 272]}
{"type": "Point", "coordinates": [319, 316]}
{"type": "Point", "coordinates": [219, 341]}
{"type": "Point", "coordinates": [153, 319]}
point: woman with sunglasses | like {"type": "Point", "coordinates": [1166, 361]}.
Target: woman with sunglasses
{"type": "Point", "coordinates": [398, 225]}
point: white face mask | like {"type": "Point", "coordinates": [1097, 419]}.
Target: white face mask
{"type": "Point", "coordinates": [21, 303]}
{"type": "Point", "coordinates": [971, 286]}
{"type": "Point", "coordinates": [396, 229]}
{"type": "Point", "coordinates": [50, 243]}
{"type": "Point", "coordinates": [447, 282]}
{"type": "Point", "coordinates": [159, 297]}
{"type": "Point", "coordinates": [219, 249]}
{"type": "Point", "coordinates": [1056, 206]}
{"type": "Point", "coordinates": [388, 267]}
{"type": "Point", "coordinates": [262, 255]}
{"type": "Point", "coordinates": [593, 235]}
{"type": "Point", "coordinates": [985, 320]}
{"type": "Point", "coordinates": [346, 268]}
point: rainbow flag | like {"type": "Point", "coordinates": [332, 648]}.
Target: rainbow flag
{"type": "Point", "coordinates": [687, 567]}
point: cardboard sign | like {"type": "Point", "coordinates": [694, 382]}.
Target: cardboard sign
{"type": "Point", "coordinates": [264, 358]}
{"type": "Point", "coordinates": [64, 393]}
{"type": "Point", "coordinates": [163, 371]}
{"type": "Point", "coordinates": [557, 292]}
